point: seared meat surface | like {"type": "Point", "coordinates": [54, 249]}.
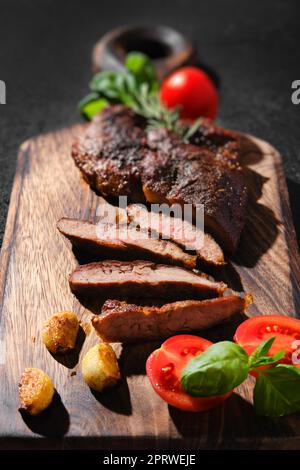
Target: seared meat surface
{"type": "Point", "coordinates": [110, 152]}
{"type": "Point", "coordinates": [124, 322]}
{"type": "Point", "coordinates": [120, 279]}
{"type": "Point", "coordinates": [123, 243]}
{"type": "Point", "coordinates": [179, 231]}
{"type": "Point", "coordinates": [118, 157]}
{"type": "Point", "coordinates": [178, 173]}
{"type": "Point", "coordinates": [83, 235]}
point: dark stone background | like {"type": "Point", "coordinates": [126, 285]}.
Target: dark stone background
{"type": "Point", "coordinates": [253, 46]}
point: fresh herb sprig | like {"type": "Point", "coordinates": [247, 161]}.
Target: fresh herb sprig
{"type": "Point", "coordinates": [137, 88]}
{"type": "Point", "coordinates": [225, 365]}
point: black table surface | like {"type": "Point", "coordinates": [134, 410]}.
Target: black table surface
{"type": "Point", "coordinates": [253, 47]}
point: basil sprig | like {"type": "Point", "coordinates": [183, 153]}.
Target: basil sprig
{"type": "Point", "coordinates": [122, 87]}
{"type": "Point", "coordinates": [140, 66]}
{"type": "Point", "coordinates": [137, 88]}
{"type": "Point", "coordinates": [225, 365]}
{"type": "Point", "coordinates": [259, 357]}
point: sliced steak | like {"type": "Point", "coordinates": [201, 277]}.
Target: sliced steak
{"type": "Point", "coordinates": [83, 235]}
{"type": "Point", "coordinates": [179, 231]}
{"type": "Point", "coordinates": [123, 322]}
{"type": "Point", "coordinates": [178, 173]}
{"type": "Point", "coordinates": [120, 242]}
{"type": "Point", "coordinates": [110, 152]}
{"type": "Point", "coordinates": [168, 228]}
{"type": "Point", "coordinates": [121, 279]}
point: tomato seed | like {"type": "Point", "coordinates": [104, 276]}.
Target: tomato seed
{"type": "Point", "coordinates": [168, 368]}
{"type": "Point", "coordinates": [185, 352]}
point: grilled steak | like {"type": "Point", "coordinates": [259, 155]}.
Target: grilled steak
{"type": "Point", "coordinates": [110, 152]}
{"type": "Point", "coordinates": [123, 322]}
{"type": "Point", "coordinates": [178, 173]}
{"type": "Point", "coordinates": [119, 279]}
{"type": "Point", "coordinates": [167, 227]}
{"type": "Point", "coordinates": [179, 231]}
{"type": "Point", "coordinates": [117, 157]}
{"type": "Point", "coordinates": [83, 235]}
{"type": "Point", "coordinates": [125, 244]}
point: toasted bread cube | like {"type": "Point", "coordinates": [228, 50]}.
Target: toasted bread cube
{"type": "Point", "coordinates": [100, 367]}
{"type": "Point", "coordinates": [60, 331]}
{"type": "Point", "coordinates": [36, 390]}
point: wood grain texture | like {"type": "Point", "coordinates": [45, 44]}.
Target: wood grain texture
{"type": "Point", "coordinates": [34, 267]}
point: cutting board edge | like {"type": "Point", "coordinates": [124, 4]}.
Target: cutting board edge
{"type": "Point", "coordinates": [11, 218]}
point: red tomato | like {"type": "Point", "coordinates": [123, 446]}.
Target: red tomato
{"type": "Point", "coordinates": [192, 90]}
{"type": "Point", "coordinates": [164, 367]}
{"type": "Point", "coordinates": [285, 329]}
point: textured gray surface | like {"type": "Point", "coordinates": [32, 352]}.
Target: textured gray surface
{"type": "Point", "coordinates": [252, 46]}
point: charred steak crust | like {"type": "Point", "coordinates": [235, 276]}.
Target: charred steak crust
{"type": "Point", "coordinates": [110, 152]}
{"type": "Point", "coordinates": [117, 157]}
{"type": "Point", "coordinates": [120, 279]}
{"type": "Point", "coordinates": [178, 173]}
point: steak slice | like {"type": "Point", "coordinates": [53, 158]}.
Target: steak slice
{"type": "Point", "coordinates": [119, 279]}
{"type": "Point", "coordinates": [122, 243]}
{"type": "Point", "coordinates": [179, 231]}
{"type": "Point", "coordinates": [110, 152]}
{"type": "Point", "coordinates": [178, 173]}
{"type": "Point", "coordinates": [123, 322]}
{"type": "Point", "coordinates": [83, 235]}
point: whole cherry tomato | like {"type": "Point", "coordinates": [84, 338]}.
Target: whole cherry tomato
{"type": "Point", "coordinates": [192, 90]}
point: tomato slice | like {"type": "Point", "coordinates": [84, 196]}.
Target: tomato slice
{"type": "Point", "coordinates": [285, 329]}
{"type": "Point", "coordinates": [164, 368]}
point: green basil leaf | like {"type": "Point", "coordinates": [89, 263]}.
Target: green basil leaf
{"type": "Point", "coordinates": [141, 67]}
{"type": "Point", "coordinates": [262, 349]}
{"type": "Point", "coordinates": [218, 370]}
{"type": "Point", "coordinates": [277, 391]}
{"type": "Point", "coordinates": [131, 83]}
{"type": "Point", "coordinates": [259, 356]}
{"type": "Point", "coordinates": [103, 80]}
{"type": "Point", "coordinates": [91, 105]}
{"type": "Point", "coordinates": [268, 360]}
{"type": "Point", "coordinates": [120, 83]}
{"type": "Point", "coordinates": [108, 84]}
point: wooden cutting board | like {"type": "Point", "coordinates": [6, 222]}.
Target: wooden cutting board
{"type": "Point", "coordinates": [34, 266]}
